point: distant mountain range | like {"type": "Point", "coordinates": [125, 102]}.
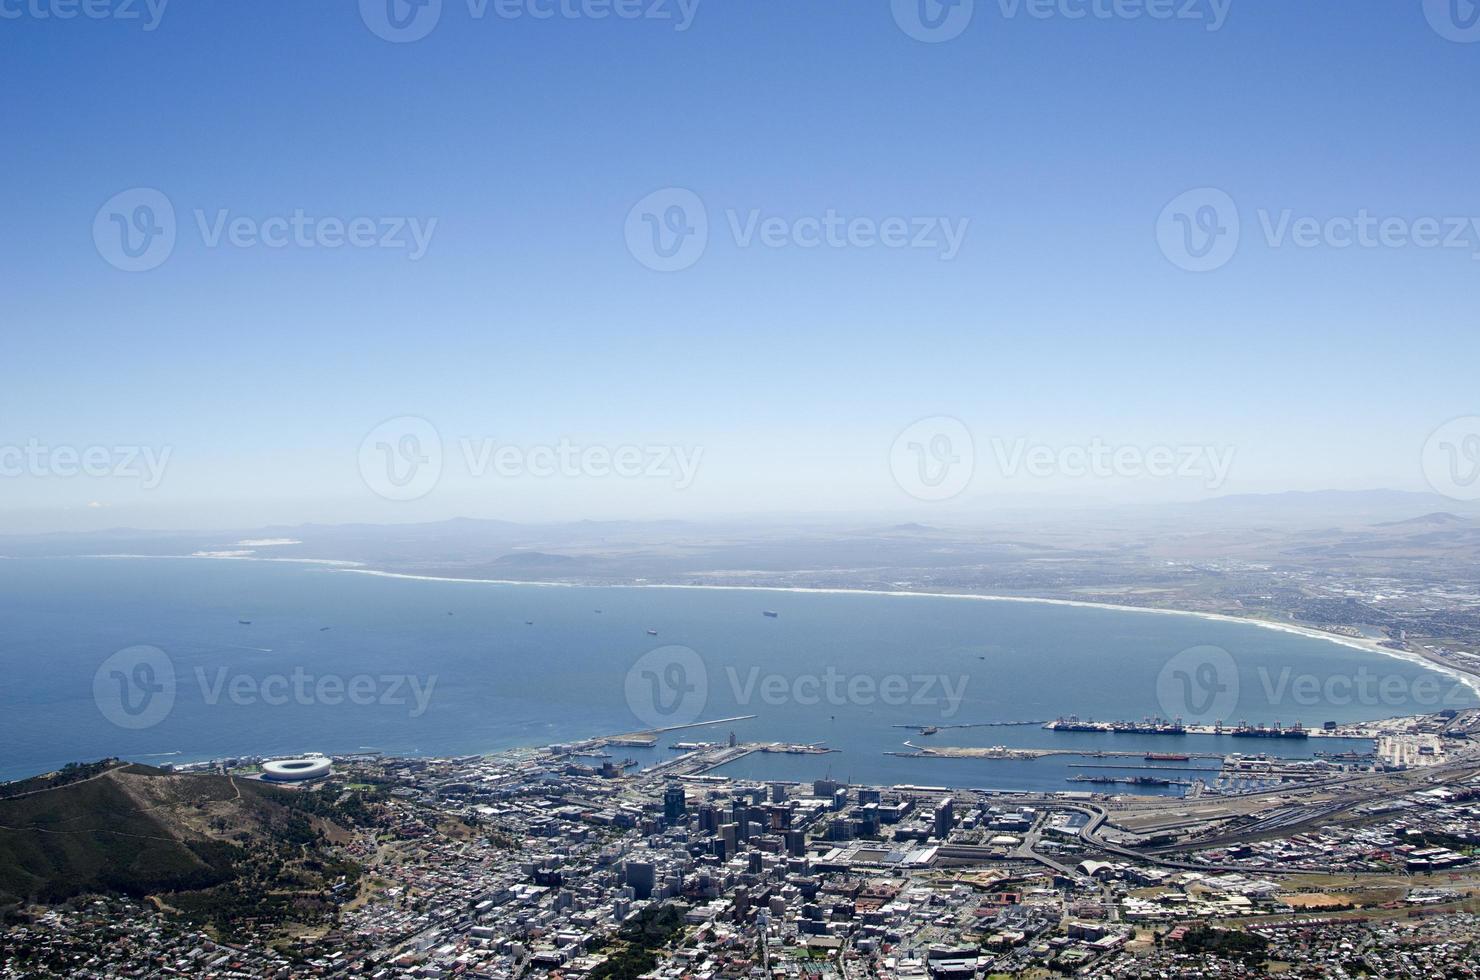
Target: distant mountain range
{"type": "Point", "coordinates": [1327, 505]}
{"type": "Point", "coordinates": [1020, 550]}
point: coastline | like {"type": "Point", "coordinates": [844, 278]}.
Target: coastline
{"type": "Point", "coordinates": [1468, 679]}
{"type": "Point", "coordinates": [1472, 681]}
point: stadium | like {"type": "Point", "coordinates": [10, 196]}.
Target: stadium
{"type": "Point", "coordinates": [296, 770]}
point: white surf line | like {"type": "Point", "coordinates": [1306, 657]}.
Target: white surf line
{"type": "Point", "coordinates": [221, 556]}
{"type": "Point", "coordinates": [1370, 646]}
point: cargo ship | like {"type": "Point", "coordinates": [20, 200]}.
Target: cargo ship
{"type": "Point", "coordinates": [1146, 726]}
{"type": "Point", "coordinates": [1246, 730]}
{"type": "Point", "coordinates": [1129, 780]}
{"type": "Point", "coordinates": [1149, 726]}
{"type": "Point", "coordinates": [1073, 724]}
{"type": "Point", "coordinates": [1166, 757]}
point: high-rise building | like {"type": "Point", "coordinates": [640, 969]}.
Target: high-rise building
{"type": "Point", "coordinates": [730, 834]}
{"type": "Point", "coordinates": [840, 829]}
{"type": "Point", "coordinates": [640, 876]}
{"type": "Point", "coordinates": [945, 818]}
{"type": "Point", "coordinates": [675, 805]}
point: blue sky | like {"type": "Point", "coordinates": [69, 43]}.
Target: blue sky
{"type": "Point", "coordinates": [1054, 142]}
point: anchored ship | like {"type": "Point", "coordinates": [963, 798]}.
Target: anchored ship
{"type": "Point", "coordinates": [1245, 730]}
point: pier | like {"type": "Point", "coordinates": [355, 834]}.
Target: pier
{"type": "Point", "coordinates": [649, 737]}
{"type": "Point", "coordinates": [1091, 765]}
{"type": "Point", "coordinates": [1002, 752]}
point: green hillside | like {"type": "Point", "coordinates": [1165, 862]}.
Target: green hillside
{"type": "Point", "coordinates": [213, 847]}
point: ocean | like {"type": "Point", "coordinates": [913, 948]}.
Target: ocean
{"type": "Point", "coordinates": [173, 660]}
